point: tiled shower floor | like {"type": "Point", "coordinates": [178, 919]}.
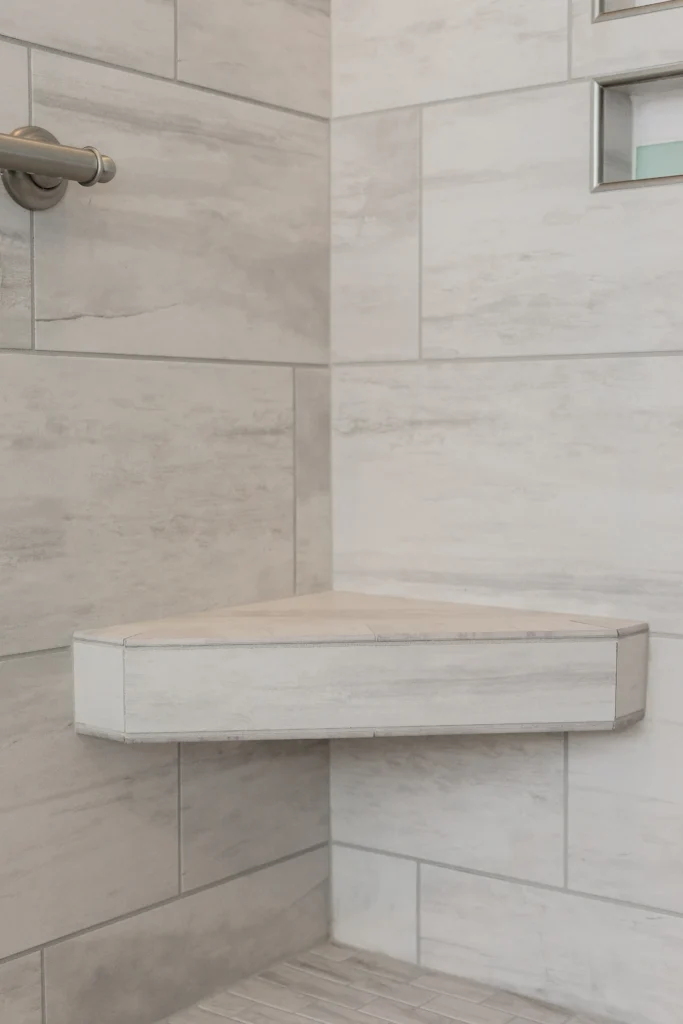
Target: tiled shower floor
{"type": "Point", "coordinates": [335, 985]}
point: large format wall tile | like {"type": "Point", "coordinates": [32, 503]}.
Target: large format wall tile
{"type": "Point", "coordinates": [375, 307]}
{"type": "Point", "coordinates": [312, 480]}
{"type": "Point", "coordinates": [211, 240]}
{"type": "Point", "coordinates": [144, 968]}
{"type": "Point", "coordinates": [134, 33]}
{"type": "Point", "coordinates": [486, 802]}
{"type": "Point", "coordinates": [247, 804]}
{"type": "Point", "coordinates": [607, 959]}
{"type": "Point", "coordinates": [277, 51]}
{"type": "Point", "coordinates": [374, 902]}
{"type": "Point", "coordinates": [626, 802]}
{"type": "Point", "coordinates": [520, 258]}
{"type": "Point", "coordinates": [134, 488]}
{"type": "Point", "coordinates": [531, 484]}
{"type": "Point", "coordinates": [393, 53]}
{"type": "Point", "coordinates": [20, 991]}
{"type": "Point", "coordinates": [614, 45]}
{"type": "Point", "coordinates": [89, 829]}
{"type": "Point", "coordinates": [15, 283]}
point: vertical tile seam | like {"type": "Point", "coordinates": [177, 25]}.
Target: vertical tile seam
{"type": "Point", "coordinates": [43, 989]}
{"type": "Point", "coordinates": [420, 229]}
{"type": "Point", "coordinates": [31, 216]}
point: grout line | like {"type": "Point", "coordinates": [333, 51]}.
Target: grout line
{"type": "Point", "coordinates": [128, 356]}
{"type": "Point", "coordinates": [529, 883]}
{"type": "Point", "coordinates": [161, 903]}
{"type": "Point", "coordinates": [180, 822]}
{"type": "Point", "coordinates": [31, 654]}
{"type": "Point", "coordinates": [565, 811]}
{"type": "Point", "coordinates": [43, 989]}
{"type": "Point", "coordinates": [152, 76]}
{"type": "Point", "coordinates": [420, 229]}
{"type": "Point", "coordinates": [534, 358]}
{"type": "Point", "coordinates": [295, 488]}
{"type": "Point", "coordinates": [418, 914]}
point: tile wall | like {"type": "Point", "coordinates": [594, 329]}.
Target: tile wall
{"type": "Point", "coordinates": [164, 392]}
{"type": "Point", "coordinates": [507, 429]}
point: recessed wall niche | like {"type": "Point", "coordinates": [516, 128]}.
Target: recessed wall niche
{"type": "Point", "coordinates": [605, 8]}
{"type": "Point", "coordinates": [639, 132]}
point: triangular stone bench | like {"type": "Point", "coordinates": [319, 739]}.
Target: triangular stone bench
{"type": "Point", "coordinates": [338, 664]}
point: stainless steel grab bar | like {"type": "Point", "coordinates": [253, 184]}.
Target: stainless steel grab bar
{"type": "Point", "coordinates": [36, 169]}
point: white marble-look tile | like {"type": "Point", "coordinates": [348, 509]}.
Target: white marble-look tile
{"type": "Point", "coordinates": [375, 237]}
{"type": "Point", "coordinates": [147, 967]}
{"type": "Point", "coordinates": [491, 803]}
{"type": "Point", "coordinates": [277, 51]}
{"type": "Point", "coordinates": [520, 258]}
{"type": "Point", "coordinates": [15, 263]}
{"type": "Point", "coordinates": [312, 480]}
{"type": "Point", "coordinates": [246, 804]}
{"type": "Point", "coordinates": [585, 954]}
{"type": "Point", "coordinates": [135, 487]}
{"type": "Point", "coordinates": [89, 829]}
{"type": "Point", "coordinates": [615, 45]}
{"type": "Point", "coordinates": [211, 241]}
{"type": "Point", "coordinates": [626, 802]}
{"type": "Point", "coordinates": [135, 33]}
{"type": "Point", "coordinates": [20, 991]}
{"type": "Point", "coordinates": [393, 53]}
{"type": "Point", "coordinates": [532, 484]}
{"type": "Point", "coordinates": [374, 902]}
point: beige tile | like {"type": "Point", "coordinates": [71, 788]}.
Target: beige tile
{"type": "Point", "coordinates": [247, 804]}
{"type": "Point", "coordinates": [374, 904]}
{"type": "Point", "coordinates": [399, 1013]}
{"type": "Point", "coordinates": [532, 484]}
{"type": "Point", "coordinates": [318, 987]}
{"type": "Point", "coordinates": [375, 237]}
{"type": "Point", "coordinates": [259, 991]}
{"type": "Point", "coordinates": [211, 241]}
{"type": "Point", "coordinates": [333, 1013]}
{"type": "Point", "coordinates": [613, 45]}
{"type": "Point", "coordinates": [625, 800]}
{"type": "Point", "coordinates": [492, 803]}
{"type": "Point", "coordinates": [358, 977]}
{"type": "Point", "coordinates": [402, 52]}
{"type": "Point", "coordinates": [462, 1010]}
{"type": "Point", "coordinates": [20, 991]}
{"type": "Point", "coordinates": [530, 1009]}
{"type": "Point", "coordinates": [194, 1015]}
{"type": "Point", "coordinates": [150, 965]}
{"type": "Point", "coordinates": [15, 269]}
{"type": "Point", "coordinates": [313, 498]}
{"type": "Point", "coordinates": [89, 828]}
{"type": "Point", "coordinates": [605, 958]}
{"type": "Point", "coordinates": [277, 51]}
{"type": "Point", "coordinates": [139, 488]}
{"type": "Point", "coordinates": [379, 963]}
{"type": "Point", "coordinates": [454, 986]}
{"type": "Point", "coordinates": [139, 36]}
{"type": "Point", "coordinates": [520, 258]}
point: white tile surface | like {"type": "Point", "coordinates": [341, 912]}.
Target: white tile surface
{"type": "Point", "coordinates": [135, 487]}
{"type": "Point", "coordinates": [277, 51]}
{"type": "Point", "coordinates": [134, 33]}
{"type": "Point", "coordinates": [20, 991]}
{"type": "Point", "coordinates": [374, 902]}
{"type": "Point", "coordinates": [534, 484]}
{"type": "Point", "coordinates": [89, 829]}
{"type": "Point", "coordinates": [601, 958]}
{"type": "Point", "coordinates": [520, 258]}
{"type": "Point", "coordinates": [393, 53]}
{"type": "Point", "coordinates": [613, 45]}
{"type": "Point", "coordinates": [625, 801]}
{"type": "Point", "coordinates": [491, 803]}
{"type": "Point", "coordinates": [375, 237]}
{"type": "Point", "coordinates": [211, 241]}
{"type": "Point", "coordinates": [15, 284]}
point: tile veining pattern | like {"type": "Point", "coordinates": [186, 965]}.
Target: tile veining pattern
{"type": "Point", "coordinates": [163, 443]}
{"type": "Point", "coordinates": [333, 984]}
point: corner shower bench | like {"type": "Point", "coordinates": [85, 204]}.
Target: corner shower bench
{"type": "Point", "coordinates": [340, 664]}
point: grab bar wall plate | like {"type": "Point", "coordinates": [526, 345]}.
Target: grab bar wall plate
{"type": "Point", "coordinates": [36, 169]}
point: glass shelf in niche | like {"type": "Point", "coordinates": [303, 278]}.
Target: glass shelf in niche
{"type": "Point", "coordinates": [639, 132]}
{"type": "Point", "coordinates": [624, 8]}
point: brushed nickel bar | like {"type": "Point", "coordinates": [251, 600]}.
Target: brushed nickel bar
{"type": "Point", "coordinates": [36, 168]}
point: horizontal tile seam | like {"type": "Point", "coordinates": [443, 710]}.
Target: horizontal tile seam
{"type": "Point", "coordinates": [237, 645]}
{"type": "Point", "coordinates": [170, 80]}
{"type": "Point", "coordinates": [162, 903]}
{"type": "Point", "coordinates": [533, 358]}
{"type": "Point", "coordinates": [512, 880]}
{"type": "Point", "coordinates": [35, 353]}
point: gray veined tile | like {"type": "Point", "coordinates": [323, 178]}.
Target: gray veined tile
{"type": "Point", "coordinates": [453, 986]}
{"type": "Point", "coordinates": [15, 268]}
{"type": "Point", "coordinates": [400, 1013]}
{"type": "Point", "coordinates": [260, 1013]}
{"type": "Point", "coordinates": [467, 1012]}
{"type": "Point", "coordinates": [277, 51]}
{"type": "Point", "coordinates": [259, 991]}
{"type": "Point", "coordinates": [211, 241]}
{"type": "Point", "coordinates": [333, 1013]}
{"type": "Point", "coordinates": [375, 237]}
{"type": "Point", "coordinates": [139, 36]}
{"type": "Point", "coordinates": [413, 51]}
{"type": "Point", "coordinates": [358, 977]}
{"type": "Point", "coordinates": [316, 986]}
{"type": "Point", "coordinates": [20, 991]}
{"type": "Point", "coordinates": [530, 1009]}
